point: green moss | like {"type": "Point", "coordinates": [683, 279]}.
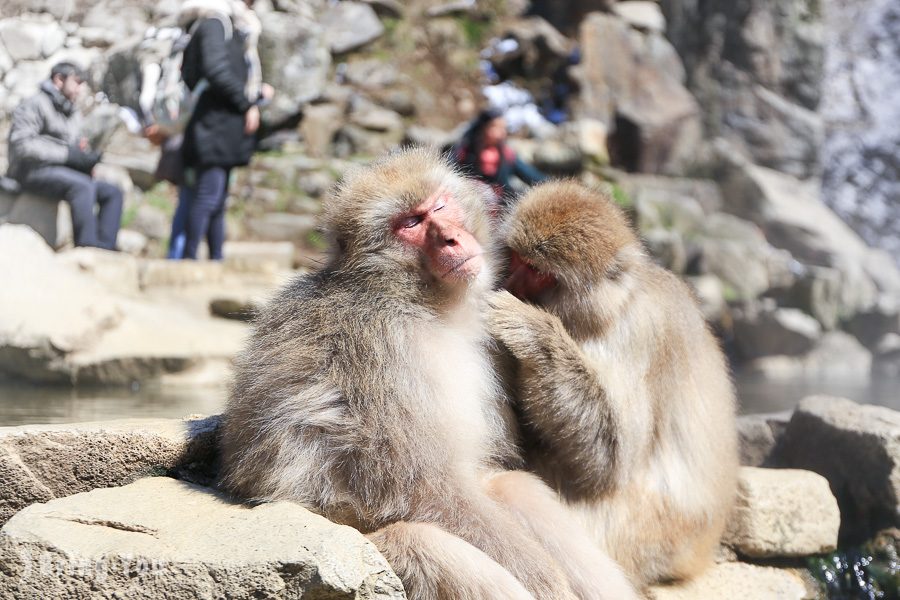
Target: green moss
{"type": "Point", "coordinates": [316, 240]}
{"type": "Point", "coordinates": [474, 30]}
{"type": "Point", "coordinates": [620, 197]}
{"type": "Point", "coordinates": [730, 293]}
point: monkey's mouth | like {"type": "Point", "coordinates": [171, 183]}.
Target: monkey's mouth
{"type": "Point", "coordinates": [464, 268]}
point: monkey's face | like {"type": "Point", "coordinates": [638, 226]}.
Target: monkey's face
{"type": "Point", "coordinates": [564, 237]}
{"type": "Point", "coordinates": [436, 229]}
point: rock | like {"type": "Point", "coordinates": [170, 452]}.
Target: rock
{"type": "Point", "coordinates": [837, 357]}
{"type": "Point", "coordinates": [117, 271]}
{"type": "Point", "coordinates": [765, 331]}
{"type": "Point", "coordinates": [295, 59]}
{"type": "Point", "coordinates": [132, 242]}
{"type": "Point", "coordinates": [238, 308]}
{"type": "Point", "coordinates": [557, 158]}
{"type": "Point", "coordinates": [392, 9]}
{"type": "Point", "coordinates": [160, 537]}
{"type": "Point", "coordinates": [122, 17]}
{"type": "Point", "coordinates": [641, 14]}
{"type": "Point", "coordinates": [447, 9]}
{"type": "Point", "coordinates": [371, 73]}
{"type": "Point", "coordinates": [592, 138]}
{"type": "Point", "coordinates": [817, 291]}
{"type": "Point", "coordinates": [350, 25]}
{"type": "Point", "coordinates": [628, 82]}
{"type": "Point", "coordinates": [374, 118]}
{"type": "Point", "coordinates": [259, 256]}
{"type": "Point", "coordinates": [42, 462]}
{"type": "Point", "coordinates": [31, 37]}
{"type": "Point", "coordinates": [857, 449]}
{"type": "Point", "coordinates": [530, 47]}
{"type": "Point", "coordinates": [873, 323]}
{"type": "Point", "coordinates": [152, 222]}
{"type": "Point", "coordinates": [793, 218]}
{"type": "Point", "coordinates": [418, 135]}
{"type": "Point", "coordinates": [55, 309]}
{"type": "Point", "coordinates": [859, 156]}
{"type": "Point", "coordinates": [320, 124]}
{"type": "Point", "coordinates": [756, 70]}
{"type": "Point", "coordinates": [51, 219]}
{"type": "Point", "coordinates": [179, 273]}
{"type": "Point", "coordinates": [782, 513]}
{"type": "Point", "coordinates": [667, 248]}
{"type": "Point", "coordinates": [758, 436]}
{"type": "Point", "coordinates": [277, 227]}
{"type": "Point", "coordinates": [886, 362]}
{"type": "Point", "coordinates": [736, 580]}
{"type": "Point", "coordinates": [710, 296]}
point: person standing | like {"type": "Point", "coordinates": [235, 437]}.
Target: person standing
{"type": "Point", "coordinates": [48, 156]}
{"type": "Point", "coordinates": [221, 132]}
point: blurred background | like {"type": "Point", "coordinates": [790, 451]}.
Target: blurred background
{"type": "Point", "coordinates": [755, 144]}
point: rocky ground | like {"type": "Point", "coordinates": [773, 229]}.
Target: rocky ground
{"type": "Point", "coordinates": [124, 507]}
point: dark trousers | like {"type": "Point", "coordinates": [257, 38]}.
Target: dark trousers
{"type": "Point", "coordinates": [207, 212]}
{"type": "Point", "coordinates": [82, 192]}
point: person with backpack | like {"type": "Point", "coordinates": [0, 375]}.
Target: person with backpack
{"type": "Point", "coordinates": [221, 57]}
{"type": "Point", "coordinates": [49, 156]}
{"type": "Point", "coordinates": [482, 153]}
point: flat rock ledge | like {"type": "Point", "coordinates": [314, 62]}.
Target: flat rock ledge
{"type": "Point", "coordinates": [737, 580]}
{"type": "Point", "coordinates": [163, 538]}
{"type": "Point", "coordinates": [42, 462]}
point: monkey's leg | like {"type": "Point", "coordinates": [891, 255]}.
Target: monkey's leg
{"type": "Point", "coordinates": [436, 565]}
{"type": "Point", "coordinates": [561, 395]}
{"type": "Point", "coordinates": [592, 574]}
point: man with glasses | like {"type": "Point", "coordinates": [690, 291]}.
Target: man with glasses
{"type": "Point", "coordinates": [49, 157]}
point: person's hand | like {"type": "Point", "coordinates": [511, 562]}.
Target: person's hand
{"type": "Point", "coordinates": [82, 160]}
{"type": "Point", "coordinates": [251, 120]}
{"type": "Point", "coordinates": [266, 92]}
{"type": "Point", "coordinates": [154, 134]}
{"type": "Point", "coordinates": [83, 143]}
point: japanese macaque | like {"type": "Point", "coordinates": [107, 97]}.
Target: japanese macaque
{"type": "Point", "coordinates": [367, 394]}
{"type": "Point", "coordinates": [626, 404]}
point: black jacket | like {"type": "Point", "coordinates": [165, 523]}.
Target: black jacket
{"type": "Point", "coordinates": [215, 134]}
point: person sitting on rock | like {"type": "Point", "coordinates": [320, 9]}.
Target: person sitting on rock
{"type": "Point", "coordinates": [49, 157]}
{"type": "Point", "coordinates": [482, 152]}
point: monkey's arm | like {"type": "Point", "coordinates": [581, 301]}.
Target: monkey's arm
{"type": "Point", "coordinates": [561, 395]}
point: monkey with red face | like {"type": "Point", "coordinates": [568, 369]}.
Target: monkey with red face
{"type": "Point", "coordinates": [366, 393]}
{"type": "Point", "coordinates": [626, 404]}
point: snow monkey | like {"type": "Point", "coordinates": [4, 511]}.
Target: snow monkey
{"type": "Point", "coordinates": [366, 393]}
{"type": "Point", "coordinates": [626, 404]}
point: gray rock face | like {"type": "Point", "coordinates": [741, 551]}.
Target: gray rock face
{"type": "Point", "coordinates": [295, 60]}
{"type": "Point", "coordinates": [778, 331]}
{"type": "Point", "coordinates": [51, 219]}
{"type": "Point", "coordinates": [631, 82]}
{"type": "Point", "coordinates": [350, 25]}
{"type": "Point", "coordinates": [857, 449]}
{"type": "Point", "coordinates": [755, 67]}
{"type": "Point", "coordinates": [860, 164]}
{"type": "Point", "coordinates": [162, 538]}
{"type": "Point", "coordinates": [837, 356]}
{"type": "Point", "coordinates": [42, 462]}
{"type": "Point", "coordinates": [782, 513]}
{"type": "Point", "coordinates": [758, 436]}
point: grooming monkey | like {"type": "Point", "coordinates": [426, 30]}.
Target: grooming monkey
{"type": "Point", "coordinates": [624, 396]}
{"type": "Point", "coordinates": [366, 394]}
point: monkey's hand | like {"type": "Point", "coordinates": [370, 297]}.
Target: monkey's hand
{"type": "Point", "coordinates": [529, 332]}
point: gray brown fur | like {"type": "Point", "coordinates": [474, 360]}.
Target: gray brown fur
{"type": "Point", "coordinates": [626, 402]}
{"type": "Point", "coordinates": [366, 394]}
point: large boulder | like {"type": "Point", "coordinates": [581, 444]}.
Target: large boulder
{"type": "Point", "coordinates": [42, 462]}
{"type": "Point", "coordinates": [49, 217]}
{"type": "Point", "coordinates": [758, 436]}
{"type": "Point", "coordinates": [163, 538]}
{"type": "Point", "coordinates": [782, 513]}
{"type": "Point", "coordinates": [755, 67]}
{"type": "Point", "coordinates": [764, 330]}
{"type": "Point", "coordinates": [350, 25]}
{"type": "Point", "coordinates": [837, 357]}
{"type": "Point", "coordinates": [857, 449]}
{"type": "Point", "coordinates": [632, 82]}
{"type": "Point", "coordinates": [295, 60]}
{"type": "Point", "coordinates": [31, 36]}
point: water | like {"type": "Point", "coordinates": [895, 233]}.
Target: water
{"type": "Point", "coordinates": [23, 403]}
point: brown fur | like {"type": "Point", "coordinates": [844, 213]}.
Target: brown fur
{"type": "Point", "coordinates": [366, 393]}
{"type": "Point", "coordinates": [627, 407]}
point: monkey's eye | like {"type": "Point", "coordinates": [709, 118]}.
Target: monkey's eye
{"type": "Point", "coordinates": [441, 207]}
{"type": "Point", "coordinates": [411, 221]}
